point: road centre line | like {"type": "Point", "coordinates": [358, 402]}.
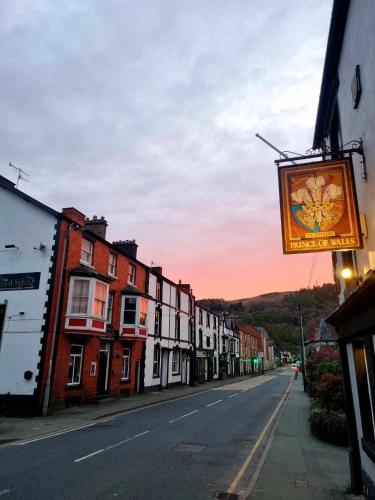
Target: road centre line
{"type": "Point", "coordinates": [90, 455]}
{"type": "Point", "coordinates": [117, 415]}
{"type": "Point", "coordinates": [214, 403]}
{"type": "Point", "coordinates": [66, 431]}
{"type": "Point", "coordinates": [233, 395]}
{"type": "Point", "coordinates": [245, 390]}
{"type": "Point", "coordinates": [111, 446]}
{"type": "Point", "coordinates": [182, 416]}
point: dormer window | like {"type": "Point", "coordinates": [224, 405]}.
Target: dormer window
{"type": "Point", "coordinates": [87, 250]}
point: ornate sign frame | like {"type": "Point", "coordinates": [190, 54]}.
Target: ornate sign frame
{"type": "Point", "coordinates": [318, 204]}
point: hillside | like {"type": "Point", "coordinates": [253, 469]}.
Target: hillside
{"type": "Point", "coordinates": [278, 312]}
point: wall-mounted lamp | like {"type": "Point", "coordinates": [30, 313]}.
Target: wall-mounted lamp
{"type": "Point", "coordinates": [347, 273]}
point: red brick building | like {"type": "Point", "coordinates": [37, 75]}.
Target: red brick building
{"type": "Point", "coordinates": [101, 324]}
{"type": "Point", "coordinates": [249, 362]}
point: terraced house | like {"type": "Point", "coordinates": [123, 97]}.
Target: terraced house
{"type": "Point", "coordinates": [83, 319]}
{"type": "Point", "coordinates": [206, 344]}
{"type": "Point", "coordinates": [170, 340]}
{"type": "Point", "coordinates": [102, 329]}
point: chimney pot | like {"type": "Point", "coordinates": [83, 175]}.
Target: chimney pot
{"type": "Point", "coordinates": [129, 247]}
{"type": "Point", "coordinates": [97, 226]}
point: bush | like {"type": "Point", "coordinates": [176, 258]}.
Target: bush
{"type": "Point", "coordinates": [330, 426]}
{"type": "Point", "coordinates": [330, 392]}
{"type": "Point", "coordinates": [316, 372]}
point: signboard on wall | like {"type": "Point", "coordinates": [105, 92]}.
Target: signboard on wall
{"type": "Point", "coordinates": [318, 205]}
{"type": "Point", "coordinates": [19, 281]}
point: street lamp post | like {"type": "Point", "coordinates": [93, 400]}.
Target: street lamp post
{"type": "Point", "coordinates": [302, 343]}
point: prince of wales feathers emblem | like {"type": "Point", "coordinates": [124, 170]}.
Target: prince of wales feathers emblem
{"type": "Point", "coordinates": [319, 206]}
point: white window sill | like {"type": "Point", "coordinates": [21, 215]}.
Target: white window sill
{"type": "Point", "coordinates": [113, 276]}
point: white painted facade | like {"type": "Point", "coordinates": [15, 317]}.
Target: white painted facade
{"type": "Point", "coordinates": [355, 122]}
{"type": "Point", "coordinates": [230, 346]}
{"type": "Point", "coordinates": [358, 49]}
{"type": "Point", "coordinates": [31, 230]}
{"type": "Point", "coordinates": [175, 346]}
{"type": "Point", "coordinates": [207, 343]}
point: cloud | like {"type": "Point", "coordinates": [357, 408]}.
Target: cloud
{"type": "Point", "coordinates": [146, 112]}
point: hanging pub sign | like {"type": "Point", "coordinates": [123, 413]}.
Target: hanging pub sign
{"type": "Point", "coordinates": [319, 207]}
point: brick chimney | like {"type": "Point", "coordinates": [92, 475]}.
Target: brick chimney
{"type": "Point", "coordinates": [127, 246]}
{"type": "Point", "coordinates": [184, 286]}
{"type": "Point", "coordinates": [75, 215]}
{"type": "Point", "coordinates": [97, 226]}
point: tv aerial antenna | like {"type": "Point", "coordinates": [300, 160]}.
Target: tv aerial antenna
{"type": "Point", "coordinates": [21, 174]}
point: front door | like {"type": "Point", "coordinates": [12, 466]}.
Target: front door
{"type": "Point", "coordinates": [184, 368]}
{"type": "Point", "coordinates": [164, 368]}
{"type": "Point", "coordinates": [103, 368]}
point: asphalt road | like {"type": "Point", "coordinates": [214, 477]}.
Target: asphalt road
{"type": "Point", "coordinates": [189, 449]}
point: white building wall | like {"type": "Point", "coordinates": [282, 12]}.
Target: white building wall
{"type": "Point", "coordinates": [26, 226]}
{"type": "Point", "coordinates": [358, 48]}
{"type": "Point", "coordinates": [367, 464]}
{"type": "Point", "coordinates": [168, 340]}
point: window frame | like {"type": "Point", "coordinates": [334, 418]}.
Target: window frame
{"type": "Point", "coordinates": [139, 311]}
{"type": "Point", "coordinates": [112, 264]}
{"type": "Point", "coordinates": [110, 303]}
{"type": "Point", "coordinates": [123, 359]}
{"type": "Point", "coordinates": [132, 276]}
{"type": "Point", "coordinates": [124, 310]}
{"type": "Point", "coordinates": [177, 327]}
{"type": "Point", "coordinates": [87, 252]}
{"type": "Point", "coordinates": [200, 338]}
{"type": "Point", "coordinates": [208, 320]}
{"type": "Point", "coordinates": [156, 363]}
{"type": "Point", "coordinates": [90, 301]}
{"type": "Point", "coordinates": [75, 356]}
{"type": "Point", "coordinates": [98, 300]}
{"type": "Point", "coordinates": [74, 280]}
{"type": "Point", "coordinates": [157, 324]}
{"type": "Point", "coordinates": [176, 363]}
{"type": "Point", "coordinates": [190, 331]}
{"type": "Point", "coordinates": [200, 317]}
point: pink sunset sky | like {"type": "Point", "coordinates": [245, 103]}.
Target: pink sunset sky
{"type": "Point", "coordinates": [146, 113]}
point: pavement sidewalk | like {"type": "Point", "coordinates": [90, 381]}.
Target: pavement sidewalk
{"type": "Point", "coordinates": [14, 429]}
{"type": "Point", "coordinates": [298, 465]}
